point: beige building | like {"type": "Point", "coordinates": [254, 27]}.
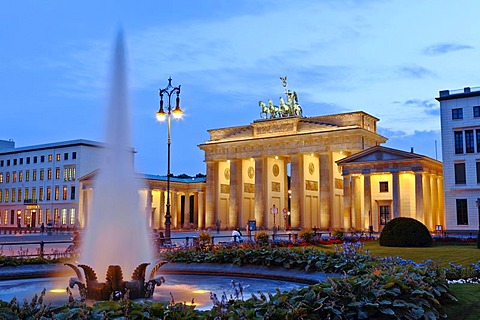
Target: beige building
{"type": "Point", "coordinates": [247, 169]}
{"type": "Point", "coordinates": [381, 183]}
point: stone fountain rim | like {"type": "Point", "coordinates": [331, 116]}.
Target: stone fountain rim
{"type": "Point", "coordinates": [211, 269]}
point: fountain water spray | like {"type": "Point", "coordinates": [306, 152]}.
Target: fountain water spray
{"type": "Point", "coordinates": [117, 232]}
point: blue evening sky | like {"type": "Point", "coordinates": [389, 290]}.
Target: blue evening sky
{"type": "Point", "coordinates": [388, 58]}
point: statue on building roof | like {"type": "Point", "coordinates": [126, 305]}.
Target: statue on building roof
{"type": "Point", "coordinates": [290, 108]}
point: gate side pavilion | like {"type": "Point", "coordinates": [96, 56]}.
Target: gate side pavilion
{"type": "Point", "coordinates": [247, 168]}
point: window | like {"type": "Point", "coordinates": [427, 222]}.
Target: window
{"type": "Point", "coordinates": [14, 176]}
{"type": "Point", "coordinates": [469, 141]}
{"type": "Point", "coordinates": [457, 113]}
{"type": "Point", "coordinates": [34, 175]}
{"type": "Point", "coordinates": [27, 175]}
{"type": "Point", "coordinates": [13, 195]}
{"type": "Point", "coordinates": [478, 172]}
{"type": "Point", "coordinates": [460, 177]}
{"type": "Point", "coordinates": [64, 216]}
{"type": "Point", "coordinates": [21, 161]}
{"type": "Point", "coordinates": [64, 193]}
{"type": "Point", "coordinates": [65, 156]}
{"type": "Point", "coordinates": [57, 192]}
{"type": "Point", "coordinates": [57, 173]}
{"type": "Point", "coordinates": [1, 195]}
{"type": "Point", "coordinates": [55, 216]}
{"type": "Point", "coordinates": [50, 157]}
{"type": "Point", "coordinates": [69, 173]}
{"type": "Point", "coordinates": [20, 176]}
{"type": "Point", "coordinates": [72, 216]}
{"type": "Point", "coordinates": [58, 157]}
{"type": "Point", "coordinates": [1, 163]}
{"type": "Point", "coordinates": [383, 186]}
{"type": "Point", "coordinates": [476, 112]}
{"type": "Point", "coordinates": [42, 159]}
{"type": "Point", "coordinates": [40, 194]}
{"type": "Point", "coordinates": [458, 142]}
{"type": "Point", "coordinates": [1, 177]}
{"type": "Point", "coordinates": [42, 174]}
{"type": "Point", "coordinates": [72, 193]}
{"type": "Point", "coordinates": [8, 163]}
{"type": "Point", "coordinates": [7, 177]}
{"type": "Point", "coordinates": [6, 195]}
{"type": "Point", "coordinates": [49, 174]}
{"type": "Point", "coordinates": [35, 159]}
{"type": "Point", "coordinates": [49, 194]}
{"type": "Point", "coordinates": [74, 155]}
{"type": "Point", "coordinates": [14, 162]}
{"type": "Point", "coordinates": [384, 215]}
{"type": "Point", "coordinates": [462, 212]}
{"type": "Point", "coordinates": [19, 195]}
{"type": "Point", "coordinates": [28, 160]}
{"type": "Point", "coordinates": [34, 195]}
{"type": "Point", "coordinates": [25, 198]}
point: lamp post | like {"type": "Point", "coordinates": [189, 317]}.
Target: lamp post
{"type": "Point", "coordinates": [161, 116]}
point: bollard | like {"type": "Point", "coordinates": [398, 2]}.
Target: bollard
{"type": "Point", "coordinates": [42, 247]}
{"type": "Point", "coordinates": [290, 237]}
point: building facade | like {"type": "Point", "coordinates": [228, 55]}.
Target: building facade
{"type": "Point", "coordinates": [187, 200]}
{"type": "Point", "coordinates": [39, 184]}
{"type": "Point", "coordinates": [248, 168]}
{"type": "Point", "coordinates": [381, 183]}
{"type": "Point", "coordinates": [460, 127]}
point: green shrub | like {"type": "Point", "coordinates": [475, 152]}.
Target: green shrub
{"type": "Point", "coordinates": [262, 237]}
{"type": "Point", "coordinates": [405, 232]}
{"type": "Point", "coordinates": [338, 233]}
{"type": "Point", "coordinates": [306, 235]}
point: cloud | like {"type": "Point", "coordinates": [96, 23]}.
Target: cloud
{"type": "Point", "coordinates": [429, 107]}
{"type": "Point", "coordinates": [443, 48]}
{"type": "Point", "coordinates": [416, 72]}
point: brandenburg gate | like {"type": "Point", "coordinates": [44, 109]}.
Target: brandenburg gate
{"type": "Point", "coordinates": [248, 167]}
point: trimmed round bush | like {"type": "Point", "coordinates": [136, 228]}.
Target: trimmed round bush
{"type": "Point", "coordinates": [405, 232]}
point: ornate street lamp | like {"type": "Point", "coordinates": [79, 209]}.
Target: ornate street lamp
{"type": "Point", "coordinates": [161, 116]}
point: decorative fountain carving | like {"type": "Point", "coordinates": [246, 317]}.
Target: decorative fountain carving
{"type": "Point", "coordinates": [291, 108]}
{"type": "Point", "coordinates": [115, 288]}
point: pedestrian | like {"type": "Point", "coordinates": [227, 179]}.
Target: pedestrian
{"type": "Point", "coordinates": [42, 228]}
{"type": "Point", "coordinates": [237, 235]}
{"type": "Point", "coordinates": [217, 224]}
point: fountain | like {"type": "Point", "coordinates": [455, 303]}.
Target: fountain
{"type": "Point", "coordinates": [116, 237]}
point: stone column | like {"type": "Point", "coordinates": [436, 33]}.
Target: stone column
{"type": "Point", "coordinates": [396, 193]}
{"type": "Point", "coordinates": [296, 185]}
{"type": "Point", "coordinates": [428, 211]}
{"type": "Point", "coordinates": [325, 191]}
{"type": "Point", "coordinates": [367, 194]}
{"type": "Point", "coordinates": [148, 209]}
{"type": "Point", "coordinates": [419, 194]}
{"type": "Point", "coordinates": [434, 202]}
{"type": "Point", "coordinates": [161, 208]}
{"type": "Point", "coordinates": [260, 201]}
{"type": "Point", "coordinates": [211, 194]}
{"type": "Point", "coordinates": [346, 222]}
{"type": "Point", "coordinates": [357, 219]}
{"type": "Point", "coordinates": [201, 210]}
{"type": "Point", "coordinates": [235, 192]}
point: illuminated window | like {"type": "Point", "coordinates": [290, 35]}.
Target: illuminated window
{"type": "Point", "coordinates": [26, 194]}
{"type": "Point", "coordinates": [40, 194]}
{"type": "Point", "coordinates": [58, 156]}
{"type": "Point", "coordinates": [19, 195]}
{"type": "Point", "coordinates": [5, 217]}
{"type": "Point", "coordinates": [1, 195]}
{"type": "Point", "coordinates": [72, 216]}
{"type": "Point", "coordinates": [48, 217]}
{"type": "Point", "coordinates": [20, 176]}
{"type": "Point", "coordinates": [7, 177]}
{"type": "Point", "coordinates": [49, 174]}
{"type": "Point", "coordinates": [6, 195]}
{"type": "Point", "coordinates": [384, 215]}
{"type": "Point", "coordinates": [57, 192]}
{"type": "Point", "coordinates": [14, 176]}
{"type": "Point", "coordinates": [57, 173]}
{"type": "Point", "coordinates": [49, 193]}
{"type": "Point", "coordinates": [50, 158]}
{"type": "Point", "coordinates": [34, 195]}
{"type": "Point", "coordinates": [34, 174]}
{"type": "Point", "coordinates": [56, 216]}
{"type": "Point", "coordinates": [40, 216]}
{"type": "Point", "coordinates": [42, 174]}
{"type": "Point", "coordinates": [13, 195]}
{"type": "Point", "coordinates": [27, 175]}
{"type": "Point", "coordinates": [64, 216]}
{"type": "Point", "coordinates": [64, 193]}
{"type": "Point", "coordinates": [1, 177]}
